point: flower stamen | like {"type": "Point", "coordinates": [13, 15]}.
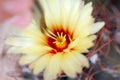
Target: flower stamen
{"type": "Point", "coordinates": [50, 34]}
{"type": "Point", "coordinates": [60, 41]}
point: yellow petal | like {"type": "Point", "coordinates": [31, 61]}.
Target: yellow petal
{"type": "Point", "coordinates": [53, 67]}
{"type": "Point", "coordinates": [30, 57]}
{"type": "Point", "coordinates": [12, 50]}
{"type": "Point", "coordinates": [96, 27]}
{"type": "Point", "coordinates": [48, 14]}
{"type": "Point", "coordinates": [67, 65]}
{"type": "Point", "coordinates": [66, 10]}
{"type": "Point", "coordinates": [33, 49]}
{"type": "Point", "coordinates": [55, 8]}
{"type": "Point", "coordinates": [82, 59]}
{"type": "Point", "coordinates": [57, 12]}
{"type": "Point", "coordinates": [29, 36]}
{"type": "Point", "coordinates": [82, 44]}
{"type": "Point", "coordinates": [85, 21]}
{"type": "Point", "coordinates": [19, 41]}
{"type": "Point", "coordinates": [40, 64]}
{"type": "Point", "coordinates": [83, 27]}
{"type": "Point", "coordinates": [26, 59]}
{"type": "Point", "coordinates": [77, 5]}
{"type": "Point", "coordinates": [73, 63]}
{"type": "Point", "coordinates": [33, 32]}
{"type": "Point", "coordinates": [86, 11]}
{"type": "Point", "coordinates": [74, 60]}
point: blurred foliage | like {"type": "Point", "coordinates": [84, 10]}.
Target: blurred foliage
{"type": "Point", "coordinates": [29, 76]}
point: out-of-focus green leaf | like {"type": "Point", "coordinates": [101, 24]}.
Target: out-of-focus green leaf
{"type": "Point", "coordinates": [29, 76]}
{"type": "Point", "coordinates": [102, 1]}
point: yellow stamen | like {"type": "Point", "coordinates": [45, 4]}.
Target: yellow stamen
{"type": "Point", "coordinates": [60, 41]}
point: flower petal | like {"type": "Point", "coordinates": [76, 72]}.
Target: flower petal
{"type": "Point", "coordinates": [83, 60]}
{"type": "Point", "coordinates": [86, 11]}
{"type": "Point", "coordinates": [73, 62]}
{"type": "Point", "coordinates": [19, 41]}
{"type": "Point", "coordinates": [81, 44]}
{"type": "Point", "coordinates": [33, 32]}
{"type": "Point", "coordinates": [66, 10]}
{"type": "Point", "coordinates": [96, 27]}
{"type": "Point", "coordinates": [26, 59]}
{"type": "Point", "coordinates": [85, 21]}
{"type": "Point", "coordinates": [74, 14]}
{"type": "Point", "coordinates": [54, 6]}
{"type": "Point", "coordinates": [40, 64]}
{"type": "Point", "coordinates": [57, 12]}
{"type": "Point", "coordinates": [47, 5]}
{"type": "Point", "coordinates": [53, 67]}
{"type": "Point", "coordinates": [70, 65]}
{"type": "Point", "coordinates": [35, 49]}
{"type": "Point", "coordinates": [29, 47]}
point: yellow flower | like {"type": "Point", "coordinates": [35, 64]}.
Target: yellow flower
{"type": "Point", "coordinates": [70, 32]}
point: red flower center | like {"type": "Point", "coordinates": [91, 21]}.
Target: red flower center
{"type": "Point", "coordinates": [59, 40]}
